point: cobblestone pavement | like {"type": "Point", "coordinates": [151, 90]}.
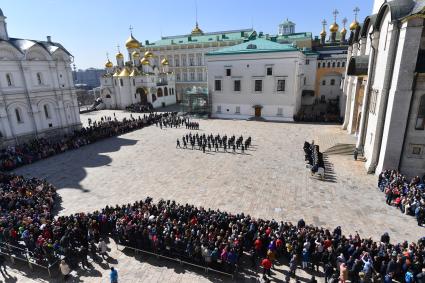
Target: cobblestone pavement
{"type": "Point", "coordinates": [270, 181]}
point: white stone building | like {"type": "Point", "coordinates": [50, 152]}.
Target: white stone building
{"type": "Point", "coordinates": [186, 53]}
{"type": "Point", "coordinates": [144, 79]}
{"type": "Point", "coordinates": [258, 78]}
{"type": "Point", "coordinates": [385, 87]}
{"type": "Point", "coordinates": [37, 96]}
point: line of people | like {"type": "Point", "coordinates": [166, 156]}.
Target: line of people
{"type": "Point", "coordinates": [314, 158]}
{"type": "Point", "coordinates": [203, 236]}
{"type": "Point", "coordinates": [175, 121]}
{"type": "Point", "coordinates": [41, 148]}
{"type": "Point", "coordinates": [214, 143]}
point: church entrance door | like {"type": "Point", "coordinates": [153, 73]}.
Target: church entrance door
{"type": "Point", "coordinates": [257, 111]}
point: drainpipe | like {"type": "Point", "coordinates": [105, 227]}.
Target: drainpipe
{"type": "Point", "coordinates": [384, 98]}
{"type": "Point", "coordinates": [370, 80]}
{"type": "Point", "coordinates": [415, 79]}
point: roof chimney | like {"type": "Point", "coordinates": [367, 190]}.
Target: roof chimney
{"type": "Point", "coordinates": [49, 38]}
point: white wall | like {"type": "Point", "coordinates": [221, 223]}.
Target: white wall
{"type": "Point", "coordinates": [250, 67]}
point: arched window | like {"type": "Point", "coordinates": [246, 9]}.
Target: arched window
{"type": "Point", "coordinates": [121, 82]}
{"type": "Point", "coordinates": [343, 64]}
{"type": "Point", "coordinates": [333, 65]}
{"type": "Point", "coordinates": [108, 96]}
{"type": "Point", "coordinates": [18, 115]}
{"type": "Point", "coordinates": [305, 80]}
{"type": "Point", "coordinates": [9, 79]}
{"type": "Point", "coordinates": [338, 64]}
{"type": "Point", "coordinates": [165, 91]}
{"type": "Point", "coordinates": [159, 92]}
{"type": "Point", "coordinates": [329, 64]}
{"type": "Point", "coordinates": [332, 81]}
{"type": "Point", "coordinates": [39, 79]}
{"type": "Point", "coordinates": [318, 66]}
{"type": "Point", "coordinates": [420, 121]}
{"type": "Point", "coordinates": [46, 111]}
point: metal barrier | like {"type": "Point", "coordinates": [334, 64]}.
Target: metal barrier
{"type": "Point", "coordinates": [21, 254]}
{"type": "Point", "coordinates": [206, 268]}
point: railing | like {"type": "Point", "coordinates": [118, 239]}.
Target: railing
{"type": "Point", "coordinates": [180, 261]}
{"type": "Point", "coordinates": [23, 254]}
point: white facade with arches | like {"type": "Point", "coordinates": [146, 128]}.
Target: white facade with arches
{"type": "Point", "coordinates": [385, 87]}
{"type": "Point", "coordinates": [37, 96]}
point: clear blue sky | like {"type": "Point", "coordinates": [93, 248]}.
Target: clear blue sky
{"type": "Point", "coordinates": [90, 28]}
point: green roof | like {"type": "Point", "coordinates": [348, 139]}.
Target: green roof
{"type": "Point", "coordinates": [244, 34]}
{"type": "Point", "coordinates": [258, 45]}
{"type": "Point", "coordinates": [295, 36]}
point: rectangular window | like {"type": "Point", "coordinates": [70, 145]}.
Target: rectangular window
{"type": "Point", "coordinates": [177, 61]}
{"type": "Point", "coordinates": [238, 110]}
{"type": "Point", "coordinates": [217, 85]}
{"type": "Point", "coordinates": [307, 62]}
{"type": "Point", "coordinates": [323, 82]}
{"type": "Point", "coordinates": [191, 61]}
{"type": "Point", "coordinates": [185, 77]}
{"type": "Point", "coordinates": [200, 77]}
{"type": "Point", "coordinates": [199, 59]}
{"type": "Point", "coordinates": [416, 150]}
{"type": "Point", "coordinates": [184, 61]}
{"type": "Point", "coordinates": [237, 85]}
{"type": "Point", "coordinates": [258, 87]}
{"type": "Point", "coordinates": [279, 111]}
{"type": "Point", "coordinates": [178, 77]}
{"type": "Point", "coordinates": [192, 76]}
{"type": "Point", "coordinates": [228, 72]}
{"type": "Point", "coordinates": [218, 108]}
{"type": "Point", "coordinates": [280, 85]}
{"type": "Point", "coordinates": [269, 71]}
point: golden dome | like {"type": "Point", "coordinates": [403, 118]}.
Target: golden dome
{"type": "Point", "coordinates": [148, 54]}
{"type": "Point", "coordinates": [119, 55]}
{"type": "Point", "coordinates": [354, 25]}
{"type": "Point", "coordinates": [343, 31]}
{"type": "Point", "coordinates": [196, 30]}
{"type": "Point", "coordinates": [132, 43]}
{"type": "Point", "coordinates": [124, 73]}
{"type": "Point", "coordinates": [144, 61]}
{"type": "Point", "coordinates": [164, 62]}
{"type": "Point", "coordinates": [109, 64]}
{"type": "Point", "coordinates": [334, 28]}
{"type": "Point", "coordinates": [135, 54]}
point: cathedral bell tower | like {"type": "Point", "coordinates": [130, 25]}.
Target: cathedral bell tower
{"type": "Point", "coordinates": [3, 27]}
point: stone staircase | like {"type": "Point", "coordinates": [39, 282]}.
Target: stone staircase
{"type": "Point", "coordinates": [340, 149]}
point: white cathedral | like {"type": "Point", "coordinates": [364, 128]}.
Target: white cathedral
{"type": "Point", "coordinates": [142, 79]}
{"type": "Point", "coordinates": [37, 96]}
{"type": "Point", "coordinates": [385, 87]}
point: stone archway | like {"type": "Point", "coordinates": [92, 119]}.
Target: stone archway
{"type": "Point", "coordinates": [143, 95]}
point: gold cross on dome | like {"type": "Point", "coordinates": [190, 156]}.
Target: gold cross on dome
{"type": "Point", "coordinates": [356, 12]}
{"type": "Point", "coordinates": [335, 13]}
{"type": "Point", "coordinates": [131, 29]}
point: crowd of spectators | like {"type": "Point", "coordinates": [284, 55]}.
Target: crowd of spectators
{"type": "Point", "coordinates": [407, 195]}
{"type": "Point", "coordinates": [140, 108]}
{"type": "Point", "coordinates": [41, 148]}
{"type": "Point", "coordinates": [203, 236]}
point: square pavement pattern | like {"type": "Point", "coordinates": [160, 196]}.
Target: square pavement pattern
{"type": "Point", "coordinates": [269, 181]}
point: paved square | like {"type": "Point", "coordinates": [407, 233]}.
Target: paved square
{"type": "Point", "coordinates": [270, 181]}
